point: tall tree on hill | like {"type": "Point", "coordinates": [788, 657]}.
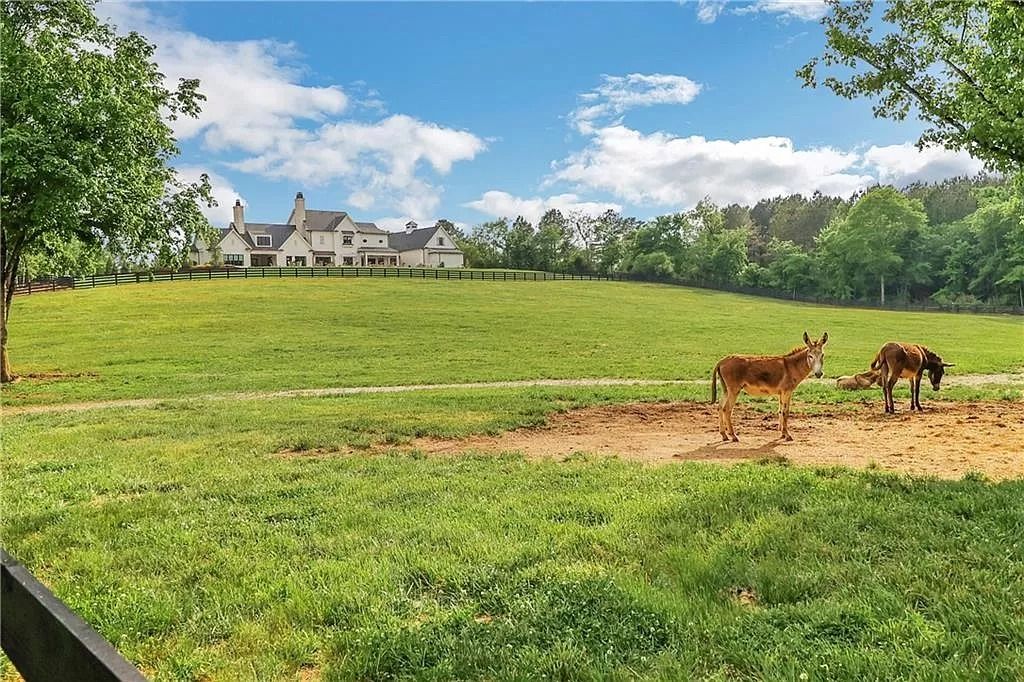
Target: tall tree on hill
{"type": "Point", "coordinates": [876, 241]}
{"type": "Point", "coordinates": [85, 142]}
{"type": "Point", "coordinates": [960, 64]}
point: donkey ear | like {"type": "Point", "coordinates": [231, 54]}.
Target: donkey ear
{"type": "Point", "coordinates": [824, 338]}
{"type": "Point", "coordinates": [807, 339]}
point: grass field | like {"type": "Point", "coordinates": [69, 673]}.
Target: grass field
{"type": "Point", "coordinates": [175, 339]}
{"type": "Point", "coordinates": [284, 539]}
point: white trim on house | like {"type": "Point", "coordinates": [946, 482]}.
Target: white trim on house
{"type": "Point", "coordinates": [327, 238]}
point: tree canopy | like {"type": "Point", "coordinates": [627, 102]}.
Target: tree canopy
{"type": "Point", "coordinates": [86, 143]}
{"type": "Point", "coordinates": [959, 64]}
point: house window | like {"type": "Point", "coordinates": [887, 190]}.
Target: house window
{"type": "Point", "coordinates": [380, 241]}
{"type": "Point", "coordinates": [346, 260]}
{"type": "Point", "coordinates": [263, 240]}
{"type": "Point", "coordinates": [234, 259]}
{"type": "Point", "coordinates": [346, 240]}
{"type": "Point", "coordinates": [364, 241]}
{"type": "Point", "coordinates": [321, 239]}
{"type": "Point", "coordinates": [440, 241]}
{"type": "Point", "coordinates": [295, 260]}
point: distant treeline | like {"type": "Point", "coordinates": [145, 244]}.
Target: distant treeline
{"type": "Point", "coordinates": [956, 241]}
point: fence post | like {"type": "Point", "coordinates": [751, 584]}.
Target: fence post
{"type": "Point", "coordinates": [189, 276]}
{"type": "Point", "coordinates": [30, 283]}
{"type": "Point", "coordinates": [435, 273]}
{"type": "Point", "coordinates": [245, 273]}
{"type": "Point", "coordinates": [209, 274]}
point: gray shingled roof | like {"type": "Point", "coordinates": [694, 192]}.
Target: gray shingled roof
{"type": "Point", "coordinates": [324, 221]}
{"type": "Point", "coordinates": [370, 228]}
{"type": "Point", "coordinates": [416, 239]}
{"type": "Point", "coordinates": [278, 234]}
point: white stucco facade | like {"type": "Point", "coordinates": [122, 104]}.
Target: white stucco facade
{"type": "Point", "coordinates": [326, 238]}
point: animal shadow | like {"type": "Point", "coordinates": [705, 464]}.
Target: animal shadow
{"type": "Point", "coordinates": [727, 450]}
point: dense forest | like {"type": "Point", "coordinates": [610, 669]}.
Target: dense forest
{"type": "Point", "coordinates": [958, 241]}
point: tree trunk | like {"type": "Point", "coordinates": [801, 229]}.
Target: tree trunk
{"type": "Point", "coordinates": [7, 280]}
{"type": "Point", "coordinates": [883, 290]}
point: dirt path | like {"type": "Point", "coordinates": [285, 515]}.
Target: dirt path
{"type": "Point", "coordinates": [962, 380]}
{"type": "Point", "coordinates": [948, 440]}
{"type": "Point", "coordinates": [345, 390]}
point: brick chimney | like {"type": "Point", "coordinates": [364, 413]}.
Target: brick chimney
{"type": "Point", "coordinates": [299, 216]}
{"type": "Point", "coordinates": [239, 216]}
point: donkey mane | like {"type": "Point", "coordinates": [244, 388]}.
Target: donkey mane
{"type": "Point", "coordinates": [931, 358]}
{"type": "Point", "coordinates": [796, 350]}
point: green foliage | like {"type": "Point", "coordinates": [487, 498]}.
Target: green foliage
{"type": "Point", "coordinates": [85, 141]}
{"type": "Point", "coordinates": [960, 65]}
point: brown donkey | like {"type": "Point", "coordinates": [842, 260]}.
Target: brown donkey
{"type": "Point", "coordinates": [765, 375]}
{"type": "Point", "coordinates": [898, 361]}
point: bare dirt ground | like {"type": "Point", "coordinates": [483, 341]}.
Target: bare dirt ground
{"type": "Point", "coordinates": [947, 440]}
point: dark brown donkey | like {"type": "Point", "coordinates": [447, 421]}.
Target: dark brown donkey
{"type": "Point", "coordinates": [765, 375]}
{"type": "Point", "coordinates": [907, 361]}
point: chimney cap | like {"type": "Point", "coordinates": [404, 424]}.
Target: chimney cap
{"type": "Point", "coordinates": [298, 195]}
{"type": "Point", "coordinates": [238, 202]}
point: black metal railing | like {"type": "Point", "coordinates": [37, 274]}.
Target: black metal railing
{"type": "Point", "coordinates": [46, 640]}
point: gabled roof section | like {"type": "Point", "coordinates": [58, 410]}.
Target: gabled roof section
{"type": "Point", "coordinates": [324, 221]}
{"type": "Point", "coordinates": [278, 234]}
{"type": "Point", "coordinates": [370, 228]}
{"type": "Point", "coordinates": [416, 239]}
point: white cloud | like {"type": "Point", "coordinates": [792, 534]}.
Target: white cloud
{"type": "Point", "coordinates": [225, 195]}
{"type": "Point", "coordinates": [257, 105]}
{"type": "Point", "coordinates": [708, 10]}
{"type": "Point", "coordinates": [903, 164]}
{"type": "Point", "coordinates": [617, 94]}
{"type": "Point", "coordinates": [676, 172]}
{"type": "Point", "coordinates": [505, 205]}
{"type": "Point", "coordinates": [805, 10]}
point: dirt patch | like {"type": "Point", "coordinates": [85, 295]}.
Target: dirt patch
{"type": "Point", "coordinates": [57, 375]}
{"type": "Point", "coordinates": [947, 440]}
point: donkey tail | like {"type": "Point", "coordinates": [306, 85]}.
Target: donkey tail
{"type": "Point", "coordinates": [716, 373]}
{"type": "Point", "coordinates": [879, 360]}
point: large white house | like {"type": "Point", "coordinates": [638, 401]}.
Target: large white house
{"type": "Point", "coordinates": [311, 237]}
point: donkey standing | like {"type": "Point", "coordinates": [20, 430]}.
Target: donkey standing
{"type": "Point", "coordinates": [765, 375]}
{"type": "Point", "coordinates": [898, 361]}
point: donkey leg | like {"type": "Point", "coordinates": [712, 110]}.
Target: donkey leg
{"type": "Point", "coordinates": [784, 415]}
{"type": "Point", "coordinates": [721, 420]}
{"type": "Point", "coordinates": [730, 402]}
{"type": "Point", "coordinates": [884, 383]}
{"type": "Point", "coordinates": [890, 403]}
{"type": "Point", "coordinates": [914, 381]}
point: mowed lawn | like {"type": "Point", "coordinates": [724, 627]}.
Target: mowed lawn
{"type": "Point", "coordinates": [262, 540]}
{"type": "Point", "coordinates": [266, 539]}
{"type": "Point", "coordinates": [192, 338]}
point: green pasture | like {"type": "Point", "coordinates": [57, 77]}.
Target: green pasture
{"type": "Point", "coordinates": [285, 538]}
{"type": "Point", "coordinates": [193, 338]}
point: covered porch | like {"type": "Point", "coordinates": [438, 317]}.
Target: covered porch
{"type": "Point", "coordinates": [378, 256]}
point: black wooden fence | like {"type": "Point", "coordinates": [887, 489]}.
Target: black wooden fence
{"type": "Point", "coordinates": [201, 274]}
{"type": "Point", "coordinates": [46, 640]}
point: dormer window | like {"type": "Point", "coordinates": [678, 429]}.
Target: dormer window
{"type": "Point", "coordinates": [263, 240]}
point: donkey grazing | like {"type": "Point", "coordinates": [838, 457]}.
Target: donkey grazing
{"type": "Point", "coordinates": [765, 375]}
{"type": "Point", "coordinates": [907, 361]}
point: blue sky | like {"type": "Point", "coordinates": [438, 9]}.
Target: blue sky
{"type": "Point", "coordinates": [468, 110]}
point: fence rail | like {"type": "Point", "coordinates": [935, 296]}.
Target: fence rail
{"type": "Point", "coordinates": [46, 640]}
{"type": "Point", "coordinates": [201, 274]}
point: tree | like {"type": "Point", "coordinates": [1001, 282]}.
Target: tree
{"type": "Point", "coordinates": [961, 64]}
{"type": "Point", "coordinates": [85, 142]}
{"type": "Point", "coordinates": [875, 241]}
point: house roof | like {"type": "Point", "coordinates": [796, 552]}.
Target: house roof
{"type": "Point", "coordinates": [414, 239]}
{"type": "Point", "coordinates": [279, 234]}
{"type": "Point", "coordinates": [324, 221]}
{"type": "Point", "coordinates": [370, 228]}
{"type": "Point", "coordinates": [376, 249]}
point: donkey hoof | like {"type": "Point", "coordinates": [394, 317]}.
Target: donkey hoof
{"type": "Point", "coordinates": [735, 439]}
{"type": "Point", "coordinates": [787, 437]}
